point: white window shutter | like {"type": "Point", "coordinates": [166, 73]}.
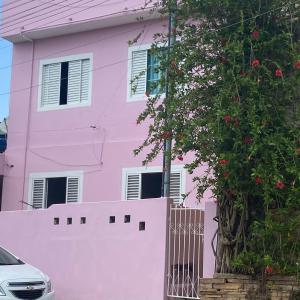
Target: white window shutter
{"type": "Point", "coordinates": [50, 85]}
{"type": "Point", "coordinates": [38, 193]}
{"type": "Point", "coordinates": [85, 80]}
{"type": "Point", "coordinates": [74, 82]}
{"type": "Point", "coordinates": [78, 81]}
{"type": "Point", "coordinates": [175, 187]}
{"type": "Point", "coordinates": [72, 189]}
{"type": "Point", "coordinates": [133, 186]}
{"type": "Point", "coordinates": [138, 73]}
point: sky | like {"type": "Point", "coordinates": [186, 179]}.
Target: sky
{"type": "Point", "coordinates": [5, 73]}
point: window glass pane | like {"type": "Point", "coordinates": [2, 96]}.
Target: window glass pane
{"type": "Point", "coordinates": [8, 259]}
{"type": "Point", "coordinates": [56, 191]}
{"type": "Point", "coordinates": [64, 83]}
{"type": "Point", "coordinates": [151, 185]}
{"type": "Point", "coordinates": [153, 73]}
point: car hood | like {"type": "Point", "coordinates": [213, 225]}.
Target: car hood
{"type": "Point", "coordinates": [20, 272]}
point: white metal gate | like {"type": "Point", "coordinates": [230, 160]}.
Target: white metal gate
{"type": "Point", "coordinates": [185, 252]}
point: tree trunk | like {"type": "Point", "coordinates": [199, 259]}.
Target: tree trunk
{"type": "Point", "coordinates": [231, 235]}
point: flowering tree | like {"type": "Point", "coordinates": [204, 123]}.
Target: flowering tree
{"type": "Point", "coordinates": [233, 79]}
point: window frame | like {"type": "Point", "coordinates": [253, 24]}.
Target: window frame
{"type": "Point", "coordinates": [45, 175]}
{"type": "Point", "coordinates": [154, 169]}
{"type": "Point", "coordinates": [131, 49]}
{"type": "Point", "coordinates": [61, 60]}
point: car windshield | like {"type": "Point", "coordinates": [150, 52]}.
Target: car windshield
{"type": "Point", "coordinates": [8, 259]}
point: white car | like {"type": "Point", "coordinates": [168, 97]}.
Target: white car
{"type": "Point", "coordinates": [19, 280]}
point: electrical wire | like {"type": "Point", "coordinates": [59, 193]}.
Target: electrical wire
{"type": "Point", "coordinates": [56, 12]}
{"type": "Point", "coordinates": [71, 48]}
{"type": "Point", "coordinates": [216, 29]}
{"type": "Point", "coordinates": [4, 20]}
{"type": "Point", "coordinates": [227, 26]}
{"type": "Point", "coordinates": [77, 6]}
{"type": "Point", "coordinates": [233, 24]}
{"type": "Point", "coordinates": [125, 10]}
{"type": "Point", "coordinates": [7, 4]}
{"type": "Point", "coordinates": [79, 165]}
{"type": "Point", "coordinates": [100, 163]}
{"type": "Point", "coordinates": [53, 81]}
{"type": "Point", "coordinates": [258, 15]}
{"type": "Point", "coordinates": [67, 49]}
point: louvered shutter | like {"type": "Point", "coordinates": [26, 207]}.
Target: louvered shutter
{"type": "Point", "coordinates": [175, 187]}
{"type": "Point", "coordinates": [78, 81]}
{"type": "Point", "coordinates": [138, 73]}
{"type": "Point", "coordinates": [38, 193]}
{"type": "Point", "coordinates": [50, 85]}
{"type": "Point", "coordinates": [85, 80]}
{"type": "Point", "coordinates": [72, 189]}
{"type": "Point", "coordinates": [74, 82]}
{"type": "Point", "coordinates": [133, 186]}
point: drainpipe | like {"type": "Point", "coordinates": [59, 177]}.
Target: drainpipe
{"type": "Point", "coordinates": [28, 117]}
{"type": "Point", "coordinates": [168, 142]}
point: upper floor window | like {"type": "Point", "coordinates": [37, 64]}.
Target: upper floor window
{"type": "Point", "coordinates": [144, 74]}
{"type": "Point", "coordinates": [65, 82]}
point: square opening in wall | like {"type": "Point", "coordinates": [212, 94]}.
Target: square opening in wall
{"type": "Point", "coordinates": [69, 221]}
{"type": "Point", "coordinates": [112, 219]}
{"type": "Point", "coordinates": [83, 220]}
{"type": "Point", "coordinates": [56, 221]}
{"type": "Point", "coordinates": [142, 226]}
{"type": "Point", "coordinates": [127, 219]}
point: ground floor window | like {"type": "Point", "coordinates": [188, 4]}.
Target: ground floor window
{"type": "Point", "coordinates": [54, 188]}
{"type": "Point", "coordinates": [146, 183]}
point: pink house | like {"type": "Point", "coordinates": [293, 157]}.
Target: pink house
{"type": "Point", "coordinates": [75, 199]}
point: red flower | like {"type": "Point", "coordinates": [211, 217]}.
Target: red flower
{"type": "Point", "coordinates": [255, 35]}
{"type": "Point", "coordinates": [138, 121]}
{"type": "Point", "coordinates": [278, 73]}
{"type": "Point", "coordinates": [225, 174]}
{"type": "Point", "coordinates": [174, 30]}
{"type": "Point", "coordinates": [258, 180]}
{"type": "Point", "coordinates": [180, 158]}
{"type": "Point", "coordinates": [227, 119]}
{"type": "Point", "coordinates": [255, 63]}
{"type": "Point", "coordinates": [268, 270]}
{"type": "Point", "coordinates": [247, 140]}
{"type": "Point", "coordinates": [280, 185]}
{"type": "Point", "coordinates": [147, 94]}
{"type": "Point", "coordinates": [224, 162]}
{"type": "Point", "coordinates": [297, 65]}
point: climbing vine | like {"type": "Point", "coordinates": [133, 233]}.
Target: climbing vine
{"type": "Point", "coordinates": [235, 76]}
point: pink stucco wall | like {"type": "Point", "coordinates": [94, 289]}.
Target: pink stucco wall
{"type": "Point", "coordinates": [210, 227]}
{"type": "Point", "coordinates": [63, 140]}
{"type": "Point", "coordinates": [96, 260]}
